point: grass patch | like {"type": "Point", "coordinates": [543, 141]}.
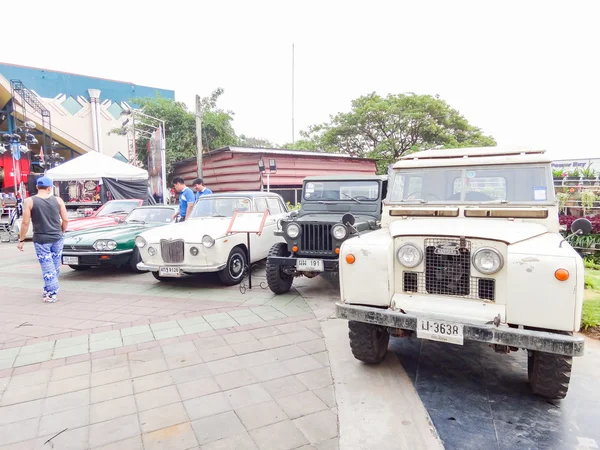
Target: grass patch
{"type": "Point", "coordinates": [590, 316]}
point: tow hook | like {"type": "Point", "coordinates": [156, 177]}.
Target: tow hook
{"type": "Point", "coordinates": [497, 320]}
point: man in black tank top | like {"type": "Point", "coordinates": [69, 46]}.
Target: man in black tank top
{"type": "Point", "coordinates": [46, 211]}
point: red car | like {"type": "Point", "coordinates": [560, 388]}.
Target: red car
{"type": "Point", "coordinates": [107, 215]}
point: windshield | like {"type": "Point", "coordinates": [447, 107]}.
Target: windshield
{"type": "Point", "coordinates": [341, 191]}
{"type": "Point", "coordinates": [150, 215]}
{"type": "Point", "coordinates": [221, 206]}
{"type": "Point", "coordinates": [117, 207]}
{"type": "Point", "coordinates": [501, 184]}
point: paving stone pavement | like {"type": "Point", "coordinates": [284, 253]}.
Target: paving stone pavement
{"type": "Point", "coordinates": [125, 362]}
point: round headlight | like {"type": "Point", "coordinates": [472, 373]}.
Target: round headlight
{"type": "Point", "coordinates": [339, 232]}
{"type": "Point", "coordinates": [207, 241]}
{"type": "Point", "coordinates": [488, 261]}
{"type": "Point", "coordinates": [111, 245]}
{"type": "Point", "coordinates": [194, 251]}
{"type": "Point", "coordinates": [140, 242]}
{"type": "Point", "coordinates": [100, 245]}
{"type": "Point", "coordinates": [410, 256]}
{"type": "Point", "coordinates": [293, 230]}
{"type": "Point", "coordinates": [151, 251]}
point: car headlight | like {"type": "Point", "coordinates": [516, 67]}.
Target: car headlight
{"type": "Point", "coordinates": [207, 241]}
{"type": "Point", "coordinates": [140, 242]}
{"type": "Point", "coordinates": [339, 232]}
{"type": "Point", "coordinates": [488, 261]}
{"type": "Point", "coordinates": [194, 251]}
{"type": "Point", "coordinates": [293, 230]}
{"type": "Point", "coordinates": [111, 245]}
{"type": "Point", "coordinates": [151, 251]}
{"type": "Point", "coordinates": [410, 255]}
{"type": "Point", "coordinates": [100, 245]}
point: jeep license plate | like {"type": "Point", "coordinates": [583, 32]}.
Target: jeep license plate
{"type": "Point", "coordinates": [436, 330]}
{"type": "Point", "coordinates": [310, 265]}
{"type": "Point", "coordinates": [71, 260]}
{"type": "Point", "coordinates": [173, 272]}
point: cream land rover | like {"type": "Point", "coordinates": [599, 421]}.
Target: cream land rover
{"type": "Point", "coordinates": [469, 249]}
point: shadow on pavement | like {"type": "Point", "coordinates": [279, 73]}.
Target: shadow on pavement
{"type": "Point", "coordinates": [480, 399]}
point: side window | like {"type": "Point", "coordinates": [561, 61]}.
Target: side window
{"type": "Point", "coordinates": [274, 205]}
{"type": "Point", "coordinates": [261, 204]}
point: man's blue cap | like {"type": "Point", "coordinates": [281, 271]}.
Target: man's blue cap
{"type": "Point", "coordinates": [44, 182]}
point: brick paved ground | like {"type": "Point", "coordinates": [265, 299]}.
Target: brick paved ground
{"type": "Point", "coordinates": [125, 362]}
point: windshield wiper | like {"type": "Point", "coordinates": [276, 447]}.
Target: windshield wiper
{"type": "Point", "coordinates": [115, 212]}
{"type": "Point", "coordinates": [135, 221]}
{"type": "Point", "coordinates": [414, 200]}
{"type": "Point", "coordinates": [218, 215]}
{"type": "Point", "coordinates": [494, 202]}
{"type": "Point", "coordinates": [323, 202]}
{"type": "Point", "coordinates": [353, 198]}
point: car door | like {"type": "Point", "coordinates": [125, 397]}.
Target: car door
{"type": "Point", "coordinates": [260, 245]}
{"type": "Point", "coordinates": [278, 211]}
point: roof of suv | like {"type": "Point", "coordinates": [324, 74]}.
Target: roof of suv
{"type": "Point", "coordinates": [349, 177]}
{"type": "Point", "coordinates": [472, 156]}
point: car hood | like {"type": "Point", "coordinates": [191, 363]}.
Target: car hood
{"type": "Point", "coordinates": [334, 218]}
{"type": "Point", "coordinates": [85, 223]}
{"type": "Point", "coordinates": [191, 230]}
{"type": "Point", "coordinates": [498, 230]}
{"type": "Point", "coordinates": [120, 233]}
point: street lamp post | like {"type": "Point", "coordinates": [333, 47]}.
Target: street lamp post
{"type": "Point", "coordinates": [263, 169]}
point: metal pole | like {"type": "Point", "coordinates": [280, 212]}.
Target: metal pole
{"type": "Point", "coordinates": [134, 149]}
{"type": "Point", "coordinates": [163, 157]}
{"type": "Point", "coordinates": [199, 135]}
{"type": "Point", "coordinates": [268, 182]}
{"type": "Point", "coordinates": [293, 134]}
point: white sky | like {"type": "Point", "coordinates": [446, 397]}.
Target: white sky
{"type": "Point", "coordinates": [526, 72]}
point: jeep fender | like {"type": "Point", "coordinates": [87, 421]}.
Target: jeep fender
{"type": "Point", "coordinates": [367, 280]}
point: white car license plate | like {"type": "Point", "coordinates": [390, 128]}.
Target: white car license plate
{"type": "Point", "coordinates": [169, 272]}
{"type": "Point", "coordinates": [71, 260]}
{"type": "Point", "coordinates": [436, 330]}
{"type": "Point", "coordinates": [310, 265]}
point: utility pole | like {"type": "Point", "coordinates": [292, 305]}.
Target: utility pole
{"type": "Point", "coordinates": [199, 135]}
{"type": "Point", "coordinates": [293, 133]}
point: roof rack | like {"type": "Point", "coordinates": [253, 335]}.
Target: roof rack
{"type": "Point", "coordinates": [472, 152]}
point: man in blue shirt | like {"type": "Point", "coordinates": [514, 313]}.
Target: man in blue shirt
{"type": "Point", "coordinates": [200, 189]}
{"type": "Point", "coordinates": [186, 199]}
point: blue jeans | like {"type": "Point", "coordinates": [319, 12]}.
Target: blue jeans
{"type": "Point", "coordinates": [50, 258]}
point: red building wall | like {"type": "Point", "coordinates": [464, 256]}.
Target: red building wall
{"type": "Point", "coordinates": [231, 171]}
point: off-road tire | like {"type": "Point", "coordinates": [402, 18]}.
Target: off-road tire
{"type": "Point", "coordinates": [229, 276]}
{"type": "Point", "coordinates": [159, 278]}
{"type": "Point", "coordinates": [134, 260]}
{"type": "Point", "coordinates": [279, 282]}
{"type": "Point", "coordinates": [368, 342]}
{"type": "Point", "coordinates": [549, 374]}
{"type": "Point", "coordinates": [80, 268]}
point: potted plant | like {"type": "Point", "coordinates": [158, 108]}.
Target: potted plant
{"type": "Point", "coordinates": [587, 200]}
{"type": "Point", "coordinates": [562, 198]}
{"type": "Point", "coordinates": [558, 174]}
{"type": "Point", "coordinates": [573, 176]}
{"type": "Point", "coordinates": [589, 174]}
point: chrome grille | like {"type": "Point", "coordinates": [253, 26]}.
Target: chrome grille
{"type": "Point", "coordinates": [172, 251]}
{"type": "Point", "coordinates": [479, 288]}
{"type": "Point", "coordinates": [316, 239]}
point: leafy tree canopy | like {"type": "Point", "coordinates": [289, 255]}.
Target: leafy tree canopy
{"type": "Point", "coordinates": [388, 127]}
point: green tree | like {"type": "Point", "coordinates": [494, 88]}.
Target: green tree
{"type": "Point", "coordinates": [386, 128]}
{"type": "Point", "coordinates": [180, 125]}
{"type": "Point", "coordinates": [247, 141]}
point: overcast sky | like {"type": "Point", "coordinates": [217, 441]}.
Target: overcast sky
{"type": "Point", "coordinates": [526, 72]}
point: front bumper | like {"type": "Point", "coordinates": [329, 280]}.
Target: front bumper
{"type": "Point", "coordinates": [115, 258]}
{"type": "Point", "coordinates": [330, 265]}
{"type": "Point", "coordinates": [184, 269]}
{"type": "Point", "coordinates": [490, 334]}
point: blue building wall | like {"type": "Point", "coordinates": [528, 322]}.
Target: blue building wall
{"type": "Point", "coordinates": [50, 83]}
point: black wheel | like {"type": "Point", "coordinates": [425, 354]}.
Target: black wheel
{"type": "Point", "coordinates": [159, 278]}
{"type": "Point", "coordinates": [279, 282]}
{"type": "Point", "coordinates": [234, 269]}
{"type": "Point", "coordinates": [80, 268]}
{"type": "Point", "coordinates": [549, 374]}
{"type": "Point", "coordinates": [368, 342]}
{"type": "Point", "coordinates": [134, 260]}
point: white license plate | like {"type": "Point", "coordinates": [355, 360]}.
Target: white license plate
{"type": "Point", "coordinates": [71, 260]}
{"type": "Point", "coordinates": [310, 265]}
{"type": "Point", "coordinates": [169, 272]}
{"type": "Point", "coordinates": [437, 330]}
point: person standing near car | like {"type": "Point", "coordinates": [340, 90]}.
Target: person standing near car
{"type": "Point", "coordinates": [200, 189]}
{"type": "Point", "coordinates": [46, 211]}
{"type": "Point", "coordinates": [186, 199]}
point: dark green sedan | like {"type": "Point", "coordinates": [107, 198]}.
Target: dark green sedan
{"type": "Point", "coordinates": [115, 245]}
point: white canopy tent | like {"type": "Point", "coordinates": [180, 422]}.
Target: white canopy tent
{"type": "Point", "coordinates": [95, 166]}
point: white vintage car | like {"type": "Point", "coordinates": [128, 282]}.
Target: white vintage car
{"type": "Point", "coordinates": [469, 250]}
{"type": "Point", "coordinates": [201, 244]}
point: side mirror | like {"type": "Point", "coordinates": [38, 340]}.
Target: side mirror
{"type": "Point", "coordinates": [581, 227]}
{"type": "Point", "coordinates": [349, 219]}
